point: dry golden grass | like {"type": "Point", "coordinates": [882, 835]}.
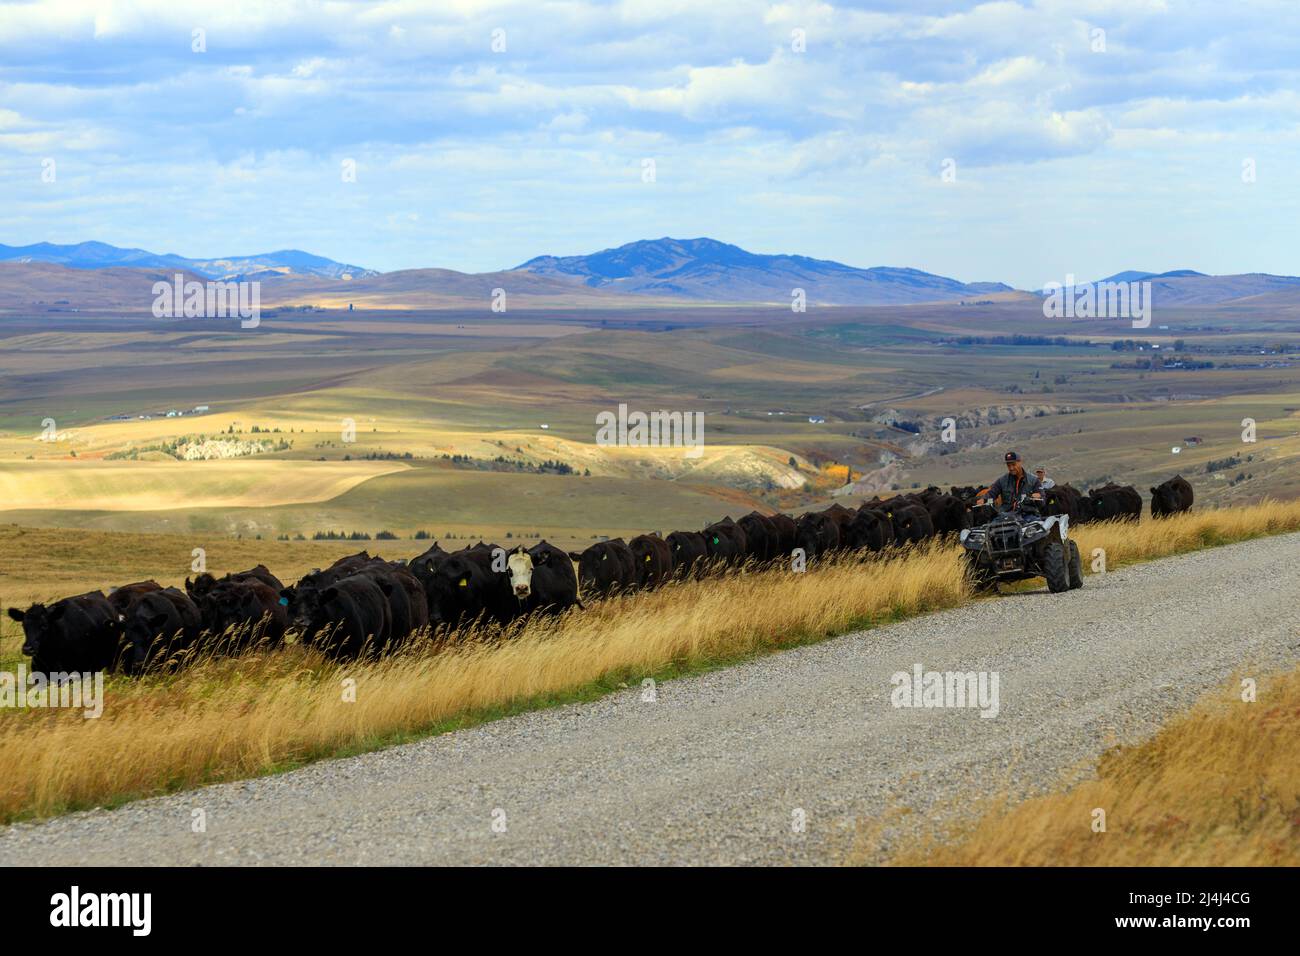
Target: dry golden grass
{"type": "Point", "coordinates": [224, 719]}
{"type": "Point", "coordinates": [1126, 543]}
{"type": "Point", "coordinates": [229, 718]}
{"type": "Point", "coordinates": [1218, 786]}
{"type": "Point", "coordinates": [160, 485]}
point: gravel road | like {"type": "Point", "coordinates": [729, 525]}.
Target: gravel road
{"type": "Point", "coordinates": [720, 768]}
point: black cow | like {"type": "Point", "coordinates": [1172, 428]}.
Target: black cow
{"type": "Point", "coordinates": [1085, 507]}
{"type": "Point", "coordinates": [725, 542]}
{"type": "Point", "coordinates": [408, 606]}
{"type": "Point", "coordinates": [465, 586]}
{"type": "Point", "coordinates": [347, 618]}
{"type": "Point", "coordinates": [422, 566]}
{"type": "Point", "coordinates": [784, 526]}
{"type": "Point", "coordinates": [688, 550]}
{"type": "Point", "coordinates": [554, 585]}
{"type": "Point", "coordinates": [1113, 502]}
{"type": "Point", "coordinates": [881, 515]}
{"type": "Point", "coordinates": [1062, 500]}
{"type": "Point", "coordinates": [817, 533]}
{"type": "Point", "coordinates": [948, 514]}
{"type": "Point", "coordinates": [157, 627]}
{"type": "Point", "coordinates": [435, 549]}
{"type": "Point", "coordinates": [869, 530]}
{"type": "Point", "coordinates": [240, 612]}
{"type": "Point", "coordinates": [653, 560]}
{"type": "Point", "coordinates": [317, 579]}
{"type": "Point", "coordinates": [124, 597]}
{"type": "Point", "coordinates": [911, 521]}
{"type": "Point", "coordinates": [843, 517]}
{"type": "Point", "coordinates": [205, 582]}
{"type": "Point", "coordinates": [1171, 497]}
{"type": "Point", "coordinates": [605, 568]}
{"type": "Point", "coordinates": [762, 542]}
{"type": "Point", "coordinates": [80, 633]}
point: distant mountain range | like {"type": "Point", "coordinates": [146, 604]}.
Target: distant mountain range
{"type": "Point", "coordinates": [654, 272]}
{"type": "Point", "coordinates": [100, 255]}
{"type": "Point", "coordinates": [718, 272]}
{"type": "Point", "coordinates": [1187, 287]}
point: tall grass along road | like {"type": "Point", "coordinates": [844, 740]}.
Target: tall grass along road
{"type": "Point", "coordinates": [782, 759]}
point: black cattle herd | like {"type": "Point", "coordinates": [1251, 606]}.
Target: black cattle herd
{"type": "Point", "coordinates": [363, 605]}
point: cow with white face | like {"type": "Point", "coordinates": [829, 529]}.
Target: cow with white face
{"type": "Point", "coordinates": [520, 567]}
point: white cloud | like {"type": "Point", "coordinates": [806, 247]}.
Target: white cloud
{"type": "Point", "coordinates": [840, 142]}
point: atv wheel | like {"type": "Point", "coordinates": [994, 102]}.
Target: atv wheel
{"type": "Point", "coordinates": [1054, 566]}
{"type": "Point", "coordinates": [1076, 567]}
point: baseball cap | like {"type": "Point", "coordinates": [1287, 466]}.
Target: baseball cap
{"type": "Point", "coordinates": [1011, 456]}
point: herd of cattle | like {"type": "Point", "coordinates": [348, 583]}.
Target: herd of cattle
{"type": "Point", "coordinates": [363, 605]}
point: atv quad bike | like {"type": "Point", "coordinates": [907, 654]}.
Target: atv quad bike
{"type": "Point", "coordinates": [1023, 543]}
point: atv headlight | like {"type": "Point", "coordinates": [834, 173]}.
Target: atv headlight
{"type": "Point", "coordinates": [1032, 530]}
{"type": "Point", "coordinates": [972, 537]}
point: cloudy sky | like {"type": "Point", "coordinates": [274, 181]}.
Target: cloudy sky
{"type": "Point", "coordinates": [997, 141]}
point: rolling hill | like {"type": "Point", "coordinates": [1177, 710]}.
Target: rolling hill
{"type": "Point", "coordinates": [717, 271]}
{"type": "Point", "coordinates": [46, 286]}
{"type": "Point", "coordinates": [1187, 287]}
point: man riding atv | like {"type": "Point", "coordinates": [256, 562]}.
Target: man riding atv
{"type": "Point", "coordinates": [1006, 491]}
{"type": "Point", "coordinates": [1020, 541]}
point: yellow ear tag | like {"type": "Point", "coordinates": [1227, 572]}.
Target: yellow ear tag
{"type": "Point", "coordinates": [464, 582]}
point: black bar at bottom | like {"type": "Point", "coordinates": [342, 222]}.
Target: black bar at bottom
{"type": "Point", "coordinates": [938, 905]}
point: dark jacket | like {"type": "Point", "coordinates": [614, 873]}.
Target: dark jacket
{"type": "Point", "coordinates": [1009, 488]}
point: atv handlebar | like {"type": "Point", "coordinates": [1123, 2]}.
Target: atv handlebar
{"type": "Point", "coordinates": [1035, 499]}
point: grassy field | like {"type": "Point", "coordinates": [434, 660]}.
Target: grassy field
{"type": "Point", "coordinates": [129, 486]}
{"type": "Point", "coordinates": [228, 718]}
{"type": "Point", "coordinates": [435, 386]}
{"type": "Point", "coordinates": [1218, 786]}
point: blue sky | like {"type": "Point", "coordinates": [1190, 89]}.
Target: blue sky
{"type": "Point", "coordinates": [1074, 151]}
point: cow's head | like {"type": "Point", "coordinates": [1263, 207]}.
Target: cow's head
{"type": "Point", "coordinates": [595, 565]}
{"type": "Point", "coordinates": [455, 580]}
{"type": "Point", "coordinates": [807, 533]}
{"type": "Point", "coordinates": [866, 529]}
{"type": "Point", "coordinates": [200, 586]}
{"type": "Point", "coordinates": [296, 599]}
{"type": "Point", "coordinates": [906, 526]}
{"type": "Point", "coordinates": [227, 604]}
{"type": "Point", "coordinates": [310, 607]}
{"type": "Point", "coordinates": [520, 568]}
{"type": "Point", "coordinates": [38, 622]}
{"type": "Point", "coordinates": [141, 631]}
